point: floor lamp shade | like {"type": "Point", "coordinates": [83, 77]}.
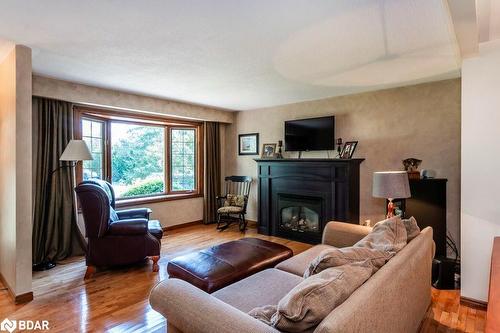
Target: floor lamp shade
{"type": "Point", "coordinates": [76, 150]}
{"type": "Point", "coordinates": [391, 185]}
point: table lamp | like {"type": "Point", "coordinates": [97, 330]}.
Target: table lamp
{"type": "Point", "coordinates": [391, 185]}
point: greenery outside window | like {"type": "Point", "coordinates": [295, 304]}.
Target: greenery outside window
{"type": "Point", "coordinates": [144, 158]}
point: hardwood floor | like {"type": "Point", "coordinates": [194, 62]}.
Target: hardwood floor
{"type": "Point", "coordinates": [117, 300]}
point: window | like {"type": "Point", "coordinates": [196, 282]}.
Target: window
{"type": "Point", "coordinates": [137, 159]}
{"type": "Point", "coordinates": [182, 151]}
{"type": "Point", "coordinates": [93, 134]}
{"type": "Point", "coordinates": [143, 157]}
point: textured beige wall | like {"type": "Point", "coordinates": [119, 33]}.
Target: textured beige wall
{"type": "Point", "coordinates": [15, 170]}
{"type": "Point", "coordinates": [80, 93]}
{"type": "Point", "coordinates": [421, 121]}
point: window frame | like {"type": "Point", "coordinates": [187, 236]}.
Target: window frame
{"type": "Point", "coordinates": [110, 116]}
{"type": "Point", "coordinates": [169, 158]}
{"type": "Point", "coordinates": [104, 140]}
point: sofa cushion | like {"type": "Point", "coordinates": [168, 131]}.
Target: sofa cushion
{"type": "Point", "coordinates": [306, 305]}
{"type": "Point", "coordinates": [337, 257]}
{"type": "Point", "coordinates": [266, 287]}
{"type": "Point", "coordinates": [412, 228]}
{"type": "Point", "coordinates": [298, 264]}
{"type": "Point", "coordinates": [387, 235]}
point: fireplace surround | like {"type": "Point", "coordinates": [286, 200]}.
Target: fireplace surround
{"type": "Point", "coordinates": [297, 197]}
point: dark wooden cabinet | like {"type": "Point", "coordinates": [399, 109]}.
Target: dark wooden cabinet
{"type": "Point", "coordinates": [319, 190]}
{"type": "Point", "coordinates": [428, 205]}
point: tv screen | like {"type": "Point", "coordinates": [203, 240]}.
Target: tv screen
{"type": "Point", "coordinates": [310, 134]}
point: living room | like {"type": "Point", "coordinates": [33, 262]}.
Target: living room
{"type": "Point", "coordinates": [199, 167]}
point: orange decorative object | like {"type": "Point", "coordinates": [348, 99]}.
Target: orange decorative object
{"type": "Point", "coordinates": [390, 209]}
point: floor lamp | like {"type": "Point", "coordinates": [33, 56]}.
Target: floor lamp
{"type": "Point", "coordinates": [75, 151]}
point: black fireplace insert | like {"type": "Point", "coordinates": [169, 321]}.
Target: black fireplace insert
{"type": "Point", "coordinates": [299, 214]}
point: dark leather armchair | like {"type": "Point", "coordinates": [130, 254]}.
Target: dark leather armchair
{"type": "Point", "coordinates": [116, 237]}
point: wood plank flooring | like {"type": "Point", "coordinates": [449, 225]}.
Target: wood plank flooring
{"type": "Point", "coordinates": [117, 300]}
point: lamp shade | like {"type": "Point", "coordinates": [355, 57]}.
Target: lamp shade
{"type": "Point", "coordinates": [76, 150]}
{"type": "Point", "coordinates": [391, 185]}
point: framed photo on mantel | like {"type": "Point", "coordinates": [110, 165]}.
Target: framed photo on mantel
{"type": "Point", "coordinates": [248, 144]}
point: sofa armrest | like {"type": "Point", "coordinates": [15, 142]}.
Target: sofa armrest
{"type": "Point", "coordinates": [190, 309]}
{"type": "Point", "coordinates": [341, 234]}
{"type": "Point", "coordinates": [133, 213]}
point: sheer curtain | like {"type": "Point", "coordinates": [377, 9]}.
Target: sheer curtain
{"type": "Point", "coordinates": [55, 231]}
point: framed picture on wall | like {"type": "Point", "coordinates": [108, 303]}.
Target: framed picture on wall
{"type": "Point", "coordinates": [248, 144]}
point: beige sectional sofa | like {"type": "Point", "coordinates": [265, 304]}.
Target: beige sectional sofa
{"type": "Point", "coordinates": [395, 299]}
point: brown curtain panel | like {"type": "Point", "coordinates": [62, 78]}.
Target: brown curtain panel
{"type": "Point", "coordinates": [212, 171]}
{"type": "Point", "coordinates": [55, 232]}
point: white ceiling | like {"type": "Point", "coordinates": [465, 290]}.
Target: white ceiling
{"type": "Point", "coordinates": [236, 54]}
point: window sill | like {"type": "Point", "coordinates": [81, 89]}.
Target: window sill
{"type": "Point", "coordinates": [159, 198]}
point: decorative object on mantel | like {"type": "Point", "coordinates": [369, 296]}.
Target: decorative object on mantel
{"type": "Point", "coordinates": [427, 174]}
{"type": "Point", "coordinates": [339, 147]}
{"type": "Point", "coordinates": [391, 185]}
{"type": "Point", "coordinates": [411, 165]}
{"type": "Point", "coordinates": [248, 144]}
{"type": "Point", "coordinates": [280, 153]}
{"type": "Point", "coordinates": [268, 150]}
{"type": "Point", "coordinates": [349, 148]}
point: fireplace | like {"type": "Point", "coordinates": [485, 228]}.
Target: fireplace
{"type": "Point", "coordinates": [299, 213]}
{"type": "Point", "coordinates": [297, 197]}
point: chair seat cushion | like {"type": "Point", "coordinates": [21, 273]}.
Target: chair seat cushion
{"type": "Point", "coordinates": [155, 228]}
{"type": "Point", "coordinates": [230, 210]}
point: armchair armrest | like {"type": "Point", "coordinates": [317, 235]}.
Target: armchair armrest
{"type": "Point", "coordinates": [341, 234]}
{"type": "Point", "coordinates": [190, 309]}
{"type": "Point", "coordinates": [133, 213]}
{"type": "Point", "coordinates": [128, 227]}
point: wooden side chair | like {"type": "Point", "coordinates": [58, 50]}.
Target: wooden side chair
{"type": "Point", "coordinates": [232, 206]}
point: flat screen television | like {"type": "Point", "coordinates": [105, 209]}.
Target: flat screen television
{"type": "Point", "coordinates": [310, 134]}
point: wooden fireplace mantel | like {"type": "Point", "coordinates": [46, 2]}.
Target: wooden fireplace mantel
{"type": "Point", "coordinates": [334, 182]}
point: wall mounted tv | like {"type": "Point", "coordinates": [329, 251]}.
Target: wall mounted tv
{"type": "Point", "coordinates": [310, 134]}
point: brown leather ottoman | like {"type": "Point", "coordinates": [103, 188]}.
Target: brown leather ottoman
{"type": "Point", "coordinates": [218, 266]}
